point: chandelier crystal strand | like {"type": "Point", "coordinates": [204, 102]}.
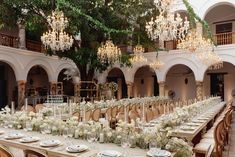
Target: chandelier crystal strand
{"type": "Point", "coordinates": [57, 39]}
{"type": "Point", "coordinates": [195, 43]}
{"type": "Point", "coordinates": [109, 52]}
{"type": "Point", "coordinates": [157, 64]}
{"type": "Point", "coordinates": [138, 55]}
{"type": "Point", "coordinates": [166, 26]}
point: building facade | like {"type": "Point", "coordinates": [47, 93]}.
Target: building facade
{"type": "Point", "coordinates": [184, 76]}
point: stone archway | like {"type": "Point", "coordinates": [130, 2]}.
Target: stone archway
{"type": "Point", "coordinates": [8, 85]}
{"type": "Point", "coordinates": [68, 86]}
{"type": "Point", "coordinates": [180, 82]}
{"type": "Point", "coordinates": [116, 75]}
{"type": "Point", "coordinates": [220, 82]}
{"type": "Point", "coordinates": [37, 84]}
{"type": "Point", "coordinates": [145, 82]}
{"type": "Point", "coordinates": [220, 17]}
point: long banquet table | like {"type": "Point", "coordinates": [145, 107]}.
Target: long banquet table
{"type": "Point", "coordinates": [60, 151]}
{"type": "Point", "coordinates": [207, 117]}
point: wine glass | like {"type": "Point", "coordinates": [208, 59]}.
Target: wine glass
{"type": "Point", "coordinates": [91, 138]}
{"type": "Point", "coordinates": [28, 126]}
{"type": "Point", "coordinates": [125, 143]}
{"type": "Point", "coordinates": [65, 133]}
{"type": "Point", "coordinates": [47, 129]}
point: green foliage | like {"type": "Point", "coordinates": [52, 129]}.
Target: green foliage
{"type": "Point", "coordinates": [193, 17]}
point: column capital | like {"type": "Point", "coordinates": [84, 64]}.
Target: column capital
{"type": "Point", "coordinates": [128, 83]}
{"type": "Point", "coordinates": [161, 83]}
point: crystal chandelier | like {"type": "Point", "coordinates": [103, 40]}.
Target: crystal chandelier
{"type": "Point", "coordinates": [166, 26]}
{"type": "Point", "coordinates": [57, 39]}
{"type": "Point", "coordinates": [157, 64]}
{"type": "Point", "coordinates": [138, 55]}
{"type": "Point", "coordinates": [108, 52]}
{"type": "Point", "coordinates": [211, 59]}
{"type": "Point", "coordinates": [195, 42]}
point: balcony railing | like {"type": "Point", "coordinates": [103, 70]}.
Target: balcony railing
{"type": "Point", "coordinates": [34, 46]}
{"type": "Point", "coordinates": [7, 40]}
{"type": "Point", "coordinates": [224, 38]}
{"type": "Point", "coordinates": [12, 41]}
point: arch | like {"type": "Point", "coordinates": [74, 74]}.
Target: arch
{"type": "Point", "coordinates": [37, 82]}
{"type": "Point", "coordinates": [65, 66]}
{"type": "Point", "coordinates": [179, 60]}
{"type": "Point", "coordinates": [223, 78]}
{"type": "Point", "coordinates": [115, 67]}
{"type": "Point", "coordinates": [145, 82]}
{"type": "Point", "coordinates": [68, 86]}
{"type": "Point", "coordinates": [180, 79]}
{"type": "Point", "coordinates": [45, 65]}
{"type": "Point", "coordinates": [118, 76]}
{"type": "Point", "coordinates": [210, 4]}
{"type": "Point", "coordinates": [15, 65]}
{"type": "Point", "coordinates": [8, 83]}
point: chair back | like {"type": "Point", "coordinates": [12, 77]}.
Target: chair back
{"type": "Point", "coordinates": [32, 153]}
{"type": "Point", "coordinates": [114, 111]}
{"type": "Point", "coordinates": [39, 107]}
{"type": "Point", "coordinates": [120, 116]}
{"type": "Point", "coordinates": [108, 114]}
{"type": "Point", "coordinates": [29, 108]}
{"type": "Point", "coordinates": [5, 152]}
{"type": "Point", "coordinates": [88, 115]}
{"type": "Point", "coordinates": [218, 138]}
{"type": "Point", "coordinates": [77, 114]}
{"type": "Point", "coordinates": [133, 115]}
{"type": "Point", "coordinates": [96, 114]}
{"type": "Point", "coordinates": [149, 115]}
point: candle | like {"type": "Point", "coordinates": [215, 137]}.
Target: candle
{"type": "Point", "coordinates": [164, 105]}
{"type": "Point", "coordinates": [125, 113]}
{"type": "Point", "coordinates": [143, 113]}
{"type": "Point", "coordinates": [26, 104]}
{"type": "Point", "coordinates": [70, 107]}
{"type": "Point", "coordinates": [12, 107]}
{"type": "Point", "coordinates": [84, 112]}
{"type": "Point", "coordinates": [54, 110]}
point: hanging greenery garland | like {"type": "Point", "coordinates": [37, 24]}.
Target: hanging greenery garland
{"type": "Point", "coordinates": [193, 17]}
{"type": "Point", "coordinates": [98, 24]}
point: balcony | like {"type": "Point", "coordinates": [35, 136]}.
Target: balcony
{"type": "Point", "coordinates": [224, 38]}
{"type": "Point", "coordinates": [12, 41]}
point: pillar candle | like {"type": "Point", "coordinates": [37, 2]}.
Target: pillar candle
{"type": "Point", "coordinates": [70, 107]}
{"type": "Point", "coordinates": [125, 113]}
{"type": "Point", "coordinates": [26, 104]}
{"type": "Point", "coordinates": [143, 113]}
{"type": "Point", "coordinates": [12, 107]}
{"type": "Point", "coordinates": [84, 112]}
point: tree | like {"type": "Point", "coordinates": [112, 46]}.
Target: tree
{"type": "Point", "coordinates": [96, 19]}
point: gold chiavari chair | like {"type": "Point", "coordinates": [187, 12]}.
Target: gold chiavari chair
{"type": "Point", "coordinates": [4, 152]}
{"type": "Point", "coordinates": [32, 153]}
{"type": "Point", "coordinates": [96, 114]}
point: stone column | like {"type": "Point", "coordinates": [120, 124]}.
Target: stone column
{"type": "Point", "coordinates": [130, 89]}
{"type": "Point", "coordinates": [199, 87]}
{"type": "Point", "coordinates": [22, 36]}
{"type": "Point", "coordinates": [21, 92]}
{"type": "Point", "coordinates": [53, 88]}
{"type": "Point", "coordinates": [77, 87]}
{"type": "Point", "coordinates": [162, 86]}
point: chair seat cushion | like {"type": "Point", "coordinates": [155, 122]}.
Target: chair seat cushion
{"type": "Point", "coordinates": [202, 147]}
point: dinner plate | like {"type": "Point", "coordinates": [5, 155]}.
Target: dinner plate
{"type": "Point", "coordinates": [29, 139]}
{"type": "Point", "coordinates": [158, 153]}
{"type": "Point", "coordinates": [109, 153]}
{"type": "Point", "coordinates": [13, 136]}
{"type": "Point", "coordinates": [76, 148]}
{"type": "Point", "coordinates": [50, 143]}
{"type": "Point", "coordinates": [187, 128]}
{"type": "Point", "coordinates": [1, 132]}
